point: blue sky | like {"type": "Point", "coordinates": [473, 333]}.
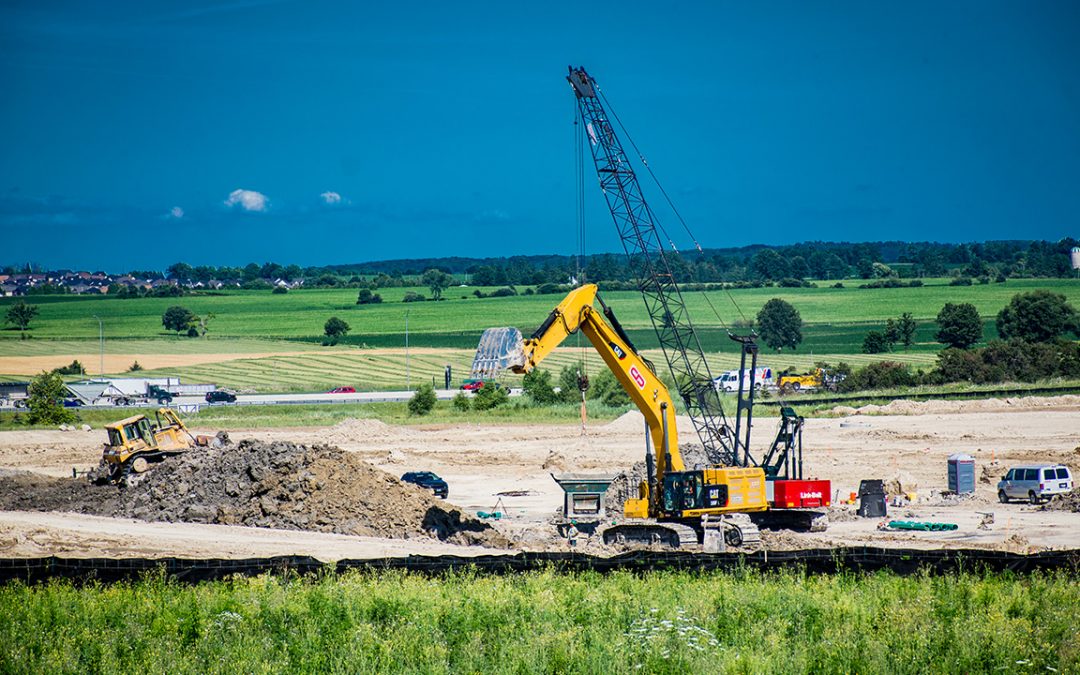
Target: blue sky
{"type": "Point", "coordinates": [136, 134]}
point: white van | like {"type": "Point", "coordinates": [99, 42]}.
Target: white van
{"type": "Point", "coordinates": [1035, 482]}
{"type": "Point", "coordinates": [729, 381]}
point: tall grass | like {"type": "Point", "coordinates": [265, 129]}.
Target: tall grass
{"type": "Point", "coordinates": [548, 622]}
{"type": "Point", "coordinates": [518, 411]}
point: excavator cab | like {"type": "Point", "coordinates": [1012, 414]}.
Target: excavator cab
{"type": "Point", "coordinates": [711, 491]}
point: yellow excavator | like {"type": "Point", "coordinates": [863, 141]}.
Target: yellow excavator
{"type": "Point", "coordinates": [135, 443]}
{"type": "Point", "coordinates": [675, 505]}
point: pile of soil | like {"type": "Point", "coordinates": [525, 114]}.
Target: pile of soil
{"type": "Point", "coordinates": [904, 407]}
{"type": "Point", "coordinates": [1070, 501]}
{"type": "Point", "coordinates": [275, 485]}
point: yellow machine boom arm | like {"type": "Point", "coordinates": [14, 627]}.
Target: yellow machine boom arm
{"type": "Point", "coordinates": [650, 395]}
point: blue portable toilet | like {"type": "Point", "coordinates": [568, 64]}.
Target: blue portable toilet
{"type": "Point", "coordinates": [961, 473]}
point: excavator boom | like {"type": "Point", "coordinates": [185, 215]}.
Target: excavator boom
{"type": "Point", "coordinates": [650, 395]}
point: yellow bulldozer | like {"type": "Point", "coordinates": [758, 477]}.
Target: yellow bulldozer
{"type": "Point", "coordinates": [137, 442]}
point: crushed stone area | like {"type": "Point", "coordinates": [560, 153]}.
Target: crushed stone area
{"type": "Point", "coordinates": [278, 485]}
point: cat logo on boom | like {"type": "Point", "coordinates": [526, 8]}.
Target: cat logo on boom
{"type": "Point", "coordinates": [618, 350]}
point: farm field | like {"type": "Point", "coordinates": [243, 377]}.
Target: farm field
{"type": "Point", "coordinates": [301, 314]}
{"type": "Point", "coordinates": [666, 622]}
{"type": "Point", "coordinates": [320, 369]}
{"type": "Point", "coordinates": [270, 343]}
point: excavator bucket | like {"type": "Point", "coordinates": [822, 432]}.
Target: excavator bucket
{"type": "Point", "coordinates": [499, 349]}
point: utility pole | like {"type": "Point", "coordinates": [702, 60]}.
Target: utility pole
{"type": "Point", "coordinates": [101, 341]}
{"type": "Point", "coordinates": [408, 380]}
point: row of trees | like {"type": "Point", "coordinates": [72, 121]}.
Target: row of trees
{"type": "Point", "coordinates": [818, 260]}
{"type": "Point", "coordinates": [1036, 316]}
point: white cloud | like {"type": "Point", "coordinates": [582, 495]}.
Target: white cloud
{"type": "Point", "coordinates": [249, 200]}
{"type": "Point", "coordinates": [176, 212]}
{"type": "Point", "coordinates": [331, 197]}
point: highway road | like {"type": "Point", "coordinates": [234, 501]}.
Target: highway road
{"type": "Point", "coordinates": [194, 403]}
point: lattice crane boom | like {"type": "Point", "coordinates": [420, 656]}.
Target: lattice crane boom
{"type": "Point", "coordinates": [649, 266]}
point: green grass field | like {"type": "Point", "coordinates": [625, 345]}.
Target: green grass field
{"type": "Point", "coordinates": [270, 416]}
{"type": "Point", "coordinates": [259, 314]}
{"type": "Point", "coordinates": [548, 622]}
{"type": "Point", "coordinates": [252, 322]}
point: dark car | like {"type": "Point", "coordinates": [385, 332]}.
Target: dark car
{"type": "Point", "coordinates": [72, 403]}
{"type": "Point", "coordinates": [428, 480]}
{"type": "Point", "coordinates": [220, 397]}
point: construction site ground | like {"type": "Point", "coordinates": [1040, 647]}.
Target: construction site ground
{"type": "Point", "coordinates": [507, 468]}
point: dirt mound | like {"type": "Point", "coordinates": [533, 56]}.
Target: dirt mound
{"type": "Point", "coordinates": [360, 430]}
{"type": "Point", "coordinates": [905, 407]}
{"type": "Point", "coordinates": [276, 485]}
{"type": "Point", "coordinates": [555, 461]}
{"type": "Point", "coordinates": [901, 482]}
{"type": "Point", "coordinates": [1070, 501]}
{"type": "Point", "coordinates": [629, 422]}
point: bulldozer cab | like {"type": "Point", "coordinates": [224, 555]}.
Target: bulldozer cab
{"type": "Point", "coordinates": [132, 434]}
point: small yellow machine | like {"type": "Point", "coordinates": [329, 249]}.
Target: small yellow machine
{"type": "Point", "coordinates": [136, 442]}
{"type": "Point", "coordinates": [793, 382]}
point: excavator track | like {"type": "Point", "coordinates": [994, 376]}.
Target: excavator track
{"type": "Point", "coordinates": [739, 531]}
{"type": "Point", "coordinates": [749, 536]}
{"type": "Point", "coordinates": [671, 535]}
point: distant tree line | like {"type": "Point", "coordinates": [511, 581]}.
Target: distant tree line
{"type": "Point", "coordinates": [878, 263]}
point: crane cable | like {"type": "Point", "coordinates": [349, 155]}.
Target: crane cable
{"type": "Point", "coordinates": [579, 170]}
{"type": "Point", "coordinates": [701, 253]}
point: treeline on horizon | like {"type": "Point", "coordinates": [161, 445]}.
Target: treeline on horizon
{"type": "Point", "coordinates": [808, 260]}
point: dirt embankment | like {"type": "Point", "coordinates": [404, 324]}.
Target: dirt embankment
{"type": "Point", "coordinates": [275, 485]}
{"type": "Point", "coordinates": [937, 406]}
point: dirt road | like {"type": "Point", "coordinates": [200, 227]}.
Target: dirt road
{"type": "Point", "coordinates": [482, 462]}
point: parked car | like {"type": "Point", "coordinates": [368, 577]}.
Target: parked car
{"type": "Point", "coordinates": [473, 385]}
{"type": "Point", "coordinates": [220, 396]}
{"type": "Point", "coordinates": [428, 480]}
{"type": "Point", "coordinates": [342, 390]}
{"type": "Point", "coordinates": [1035, 482]}
{"type": "Point", "coordinates": [72, 403]}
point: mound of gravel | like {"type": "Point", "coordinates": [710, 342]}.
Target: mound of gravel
{"type": "Point", "coordinates": [276, 485]}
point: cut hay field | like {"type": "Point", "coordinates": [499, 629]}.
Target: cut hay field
{"type": "Point", "coordinates": [384, 369]}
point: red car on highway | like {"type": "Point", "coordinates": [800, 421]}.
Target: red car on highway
{"type": "Point", "coordinates": [343, 390]}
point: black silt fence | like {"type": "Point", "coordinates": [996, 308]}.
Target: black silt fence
{"type": "Point", "coordinates": [813, 561]}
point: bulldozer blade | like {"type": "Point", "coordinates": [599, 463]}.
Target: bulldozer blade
{"type": "Point", "coordinates": [499, 349]}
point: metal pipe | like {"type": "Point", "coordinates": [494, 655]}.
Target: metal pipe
{"type": "Point", "coordinates": [101, 349]}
